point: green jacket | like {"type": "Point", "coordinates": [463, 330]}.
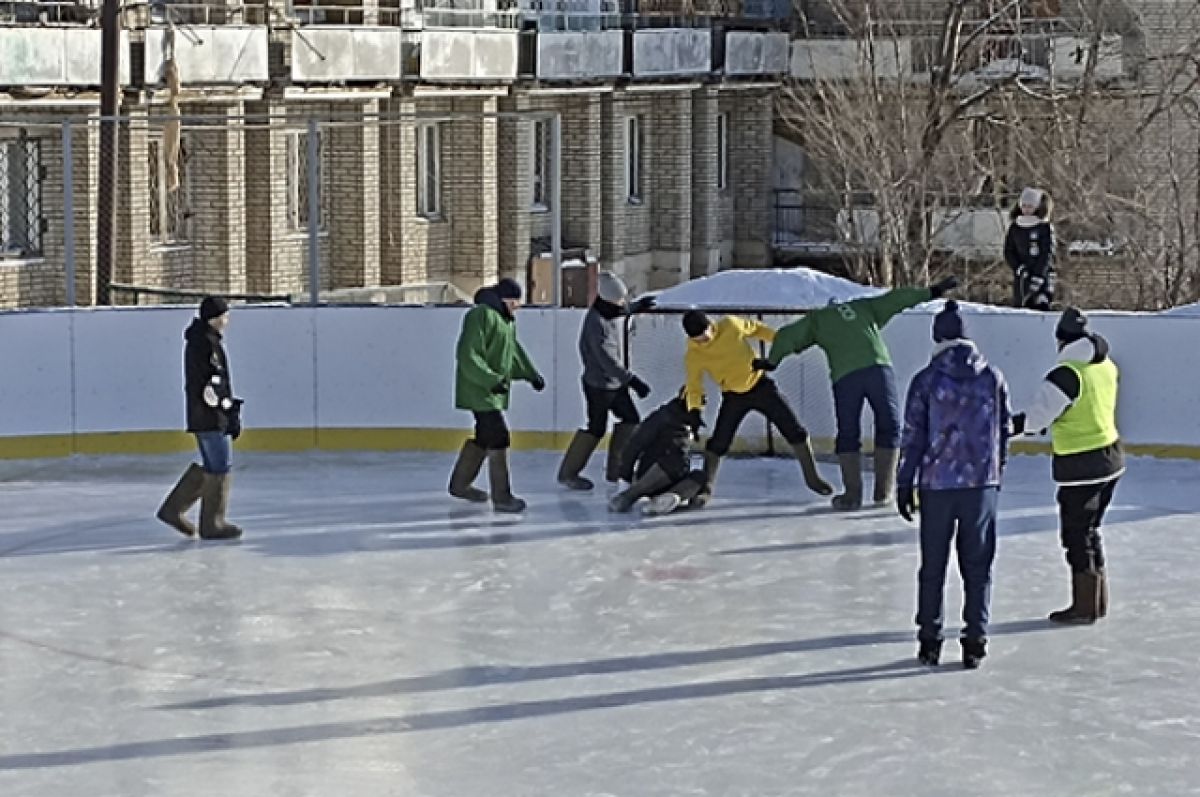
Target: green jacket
{"type": "Point", "coordinates": [488, 355]}
{"type": "Point", "coordinates": [848, 333]}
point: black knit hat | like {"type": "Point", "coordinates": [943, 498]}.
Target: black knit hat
{"type": "Point", "coordinates": [213, 307]}
{"type": "Point", "coordinates": [948, 324]}
{"type": "Point", "coordinates": [508, 288]}
{"type": "Point", "coordinates": [695, 323]}
{"type": "Point", "coordinates": [1072, 326]}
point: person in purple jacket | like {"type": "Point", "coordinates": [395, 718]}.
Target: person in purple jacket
{"type": "Point", "coordinates": [954, 446]}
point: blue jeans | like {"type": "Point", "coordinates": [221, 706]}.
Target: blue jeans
{"type": "Point", "coordinates": [216, 452]}
{"type": "Point", "coordinates": [972, 513]}
{"type": "Point", "coordinates": [876, 386]}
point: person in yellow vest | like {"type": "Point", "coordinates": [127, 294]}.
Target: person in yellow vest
{"type": "Point", "coordinates": [1077, 401]}
{"type": "Point", "coordinates": [723, 351]}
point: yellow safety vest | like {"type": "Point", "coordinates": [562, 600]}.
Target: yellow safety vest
{"type": "Point", "coordinates": [1091, 422]}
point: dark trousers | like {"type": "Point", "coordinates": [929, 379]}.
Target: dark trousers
{"type": "Point", "coordinates": [1080, 511]}
{"type": "Point", "coordinates": [491, 430]}
{"type": "Point", "coordinates": [601, 401]}
{"type": "Point", "coordinates": [763, 398]}
{"type": "Point", "coordinates": [969, 518]}
{"type": "Point", "coordinates": [877, 387]}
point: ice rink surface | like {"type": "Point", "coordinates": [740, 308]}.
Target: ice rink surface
{"type": "Point", "coordinates": [371, 636]}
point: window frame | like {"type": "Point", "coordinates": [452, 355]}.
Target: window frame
{"type": "Point", "coordinates": [723, 151]}
{"type": "Point", "coordinates": [541, 166]}
{"type": "Point", "coordinates": [28, 157]}
{"type": "Point", "coordinates": [635, 144]}
{"type": "Point", "coordinates": [429, 171]}
{"type": "Point", "coordinates": [172, 232]}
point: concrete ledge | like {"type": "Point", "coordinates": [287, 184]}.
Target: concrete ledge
{"type": "Point", "coordinates": [322, 55]}
{"type": "Point", "coordinates": [468, 55]}
{"type": "Point", "coordinates": [208, 55]}
{"type": "Point", "coordinates": [749, 53]}
{"type": "Point", "coordinates": [54, 57]}
{"type": "Point", "coordinates": [576, 55]}
{"type": "Point", "coordinates": [672, 51]}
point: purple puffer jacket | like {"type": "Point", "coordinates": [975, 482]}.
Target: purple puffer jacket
{"type": "Point", "coordinates": [956, 422]}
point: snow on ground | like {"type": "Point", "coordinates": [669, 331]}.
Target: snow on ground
{"type": "Point", "coordinates": [370, 636]}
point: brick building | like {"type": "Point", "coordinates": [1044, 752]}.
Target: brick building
{"type": "Point", "coordinates": [432, 150]}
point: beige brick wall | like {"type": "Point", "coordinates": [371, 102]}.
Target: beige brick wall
{"type": "Point", "coordinates": [750, 155]}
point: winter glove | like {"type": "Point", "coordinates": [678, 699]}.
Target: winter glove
{"type": "Point", "coordinates": [642, 305]}
{"type": "Point", "coordinates": [537, 382]}
{"type": "Point", "coordinates": [763, 364]}
{"type": "Point", "coordinates": [906, 502]}
{"type": "Point", "coordinates": [233, 425]}
{"type": "Point", "coordinates": [939, 288]}
{"type": "Point", "coordinates": [1018, 423]}
{"type": "Point", "coordinates": [500, 389]}
{"type": "Point", "coordinates": [639, 387]}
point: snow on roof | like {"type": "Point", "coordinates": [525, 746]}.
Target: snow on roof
{"type": "Point", "coordinates": [763, 289]}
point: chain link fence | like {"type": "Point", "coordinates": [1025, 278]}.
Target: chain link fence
{"type": "Point", "coordinates": [298, 204]}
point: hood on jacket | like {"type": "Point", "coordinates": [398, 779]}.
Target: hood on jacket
{"type": "Point", "coordinates": [608, 309]}
{"type": "Point", "coordinates": [1091, 349]}
{"type": "Point", "coordinates": [490, 297]}
{"type": "Point", "coordinates": [199, 328]}
{"type": "Point", "coordinates": [958, 359]}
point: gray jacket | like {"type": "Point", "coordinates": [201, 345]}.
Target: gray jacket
{"type": "Point", "coordinates": [600, 348]}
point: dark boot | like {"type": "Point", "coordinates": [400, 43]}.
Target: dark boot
{"type": "Point", "coordinates": [973, 652]}
{"type": "Point", "coordinates": [621, 434]}
{"type": "Point", "coordinates": [214, 501]}
{"type": "Point", "coordinates": [712, 463]}
{"type": "Point", "coordinates": [575, 460]}
{"type": "Point", "coordinates": [886, 460]}
{"type": "Point", "coordinates": [851, 498]}
{"type": "Point", "coordinates": [466, 469]}
{"type": "Point", "coordinates": [808, 466]}
{"type": "Point", "coordinates": [1085, 600]}
{"type": "Point", "coordinates": [182, 498]}
{"type": "Point", "coordinates": [929, 652]}
{"type": "Point", "coordinates": [1102, 596]}
{"type": "Point", "coordinates": [502, 498]}
{"type": "Point", "coordinates": [655, 481]}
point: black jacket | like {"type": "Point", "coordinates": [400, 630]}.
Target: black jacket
{"type": "Point", "coordinates": [664, 438]}
{"type": "Point", "coordinates": [205, 364]}
{"type": "Point", "coordinates": [1029, 246]}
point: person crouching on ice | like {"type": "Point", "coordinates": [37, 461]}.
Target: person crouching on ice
{"type": "Point", "coordinates": [955, 443]}
{"type": "Point", "coordinates": [722, 350]}
{"type": "Point", "coordinates": [656, 461]}
{"type": "Point", "coordinates": [490, 358]}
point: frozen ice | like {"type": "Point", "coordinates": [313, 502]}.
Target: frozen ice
{"type": "Point", "coordinates": [371, 636]}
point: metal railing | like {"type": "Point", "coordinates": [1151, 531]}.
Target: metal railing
{"type": "Point", "coordinates": [52, 13]}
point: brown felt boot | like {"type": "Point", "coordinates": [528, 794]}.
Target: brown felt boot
{"type": "Point", "coordinates": [851, 498]}
{"type": "Point", "coordinates": [655, 481]}
{"type": "Point", "coordinates": [183, 497]}
{"type": "Point", "coordinates": [621, 435]}
{"type": "Point", "coordinates": [466, 469]}
{"type": "Point", "coordinates": [214, 502]}
{"type": "Point", "coordinates": [1102, 598]}
{"type": "Point", "coordinates": [502, 498]}
{"type": "Point", "coordinates": [808, 467]}
{"type": "Point", "coordinates": [1085, 600]}
{"type": "Point", "coordinates": [886, 460]}
{"type": "Point", "coordinates": [575, 460]}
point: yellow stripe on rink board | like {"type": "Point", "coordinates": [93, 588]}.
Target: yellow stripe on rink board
{"type": "Point", "coordinates": [393, 439]}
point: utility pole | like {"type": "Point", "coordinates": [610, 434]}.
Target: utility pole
{"type": "Point", "coordinates": [106, 210]}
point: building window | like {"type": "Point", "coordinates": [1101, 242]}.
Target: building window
{"type": "Point", "coordinates": [634, 145]}
{"type": "Point", "coordinates": [429, 171]}
{"type": "Point", "coordinates": [21, 178]}
{"type": "Point", "coordinates": [298, 204]}
{"type": "Point", "coordinates": [722, 151]}
{"type": "Point", "coordinates": [170, 193]}
{"type": "Point", "coordinates": [541, 165]}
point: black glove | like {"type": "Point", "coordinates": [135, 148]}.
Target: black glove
{"type": "Point", "coordinates": [233, 424]}
{"type": "Point", "coordinates": [639, 387]}
{"type": "Point", "coordinates": [642, 305]}
{"type": "Point", "coordinates": [537, 382]}
{"type": "Point", "coordinates": [763, 364]}
{"type": "Point", "coordinates": [906, 502]}
{"type": "Point", "coordinates": [939, 288]}
{"type": "Point", "coordinates": [500, 389]}
{"type": "Point", "coordinates": [1018, 423]}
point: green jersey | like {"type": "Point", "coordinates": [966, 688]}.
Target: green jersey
{"type": "Point", "coordinates": [848, 333]}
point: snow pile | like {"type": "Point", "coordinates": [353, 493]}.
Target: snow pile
{"type": "Point", "coordinates": [1184, 310]}
{"type": "Point", "coordinates": [763, 289]}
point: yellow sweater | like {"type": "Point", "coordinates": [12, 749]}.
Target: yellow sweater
{"type": "Point", "coordinates": [726, 358]}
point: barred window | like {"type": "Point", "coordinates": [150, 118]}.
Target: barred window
{"type": "Point", "coordinates": [634, 144]}
{"type": "Point", "coordinates": [541, 165]}
{"type": "Point", "coordinates": [722, 151]}
{"type": "Point", "coordinates": [170, 200]}
{"type": "Point", "coordinates": [298, 213]}
{"type": "Point", "coordinates": [21, 175]}
{"type": "Point", "coordinates": [429, 170]}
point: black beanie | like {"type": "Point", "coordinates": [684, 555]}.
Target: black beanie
{"type": "Point", "coordinates": [1072, 326]}
{"type": "Point", "coordinates": [213, 307]}
{"type": "Point", "coordinates": [695, 323]}
{"type": "Point", "coordinates": [948, 324]}
{"type": "Point", "coordinates": [508, 288]}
